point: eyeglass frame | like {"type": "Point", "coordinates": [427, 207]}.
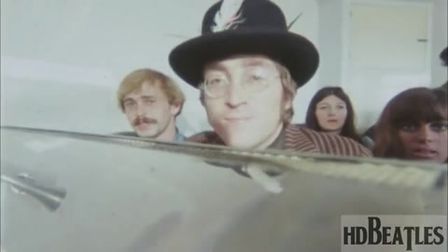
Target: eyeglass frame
{"type": "Point", "coordinates": [227, 84]}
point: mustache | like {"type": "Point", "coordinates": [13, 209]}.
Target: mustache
{"type": "Point", "coordinates": [139, 120]}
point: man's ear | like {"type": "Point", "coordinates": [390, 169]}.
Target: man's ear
{"type": "Point", "coordinates": [288, 104]}
{"type": "Point", "coordinates": [175, 109]}
{"type": "Point", "coordinates": [288, 101]}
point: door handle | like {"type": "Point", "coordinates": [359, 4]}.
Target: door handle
{"type": "Point", "coordinates": [50, 197]}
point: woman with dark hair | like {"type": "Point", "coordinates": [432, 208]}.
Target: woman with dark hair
{"type": "Point", "coordinates": [331, 111]}
{"type": "Point", "coordinates": [413, 125]}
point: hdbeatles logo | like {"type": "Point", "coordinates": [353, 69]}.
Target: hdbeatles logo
{"type": "Point", "coordinates": [393, 233]}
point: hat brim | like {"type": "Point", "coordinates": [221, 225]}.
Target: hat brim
{"type": "Point", "coordinates": [293, 51]}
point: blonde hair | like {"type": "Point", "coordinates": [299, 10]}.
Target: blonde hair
{"type": "Point", "coordinates": [289, 91]}
{"type": "Point", "coordinates": [135, 80]}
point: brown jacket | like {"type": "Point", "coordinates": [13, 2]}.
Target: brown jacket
{"type": "Point", "coordinates": [300, 139]}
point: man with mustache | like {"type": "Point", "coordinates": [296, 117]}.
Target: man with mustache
{"type": "Point", "coordinates": [151, 102]}
{"type": "Point", "coordinates": [248, 67]}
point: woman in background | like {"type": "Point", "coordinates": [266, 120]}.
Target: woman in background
{"type": "Point", "coordinates": [331, 111]}
{"type": "Point", "coordinates": [413, 126]}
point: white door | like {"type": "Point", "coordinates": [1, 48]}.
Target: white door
{"type": "Point", "coordinates": [388, 52]}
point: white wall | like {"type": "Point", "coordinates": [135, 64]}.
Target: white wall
{"type": "Point", "coordinates": [332, 39]}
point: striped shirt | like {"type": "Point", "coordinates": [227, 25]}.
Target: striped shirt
{"type": "Point", "coordinates": [301, 139]}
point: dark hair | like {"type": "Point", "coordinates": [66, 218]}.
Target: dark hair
{"type": "Point", "coordinates": [444, 56]}
{"type": "Point", "coordinates": [348, 129]}
{"type": "Point", "coordinates": [410, 106]}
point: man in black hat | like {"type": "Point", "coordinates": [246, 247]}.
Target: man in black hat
{"type": "Point", "coordinates": [248, 67]}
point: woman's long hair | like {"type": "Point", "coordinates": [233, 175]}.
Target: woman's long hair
{"type": "Point", "coordinates": [348, 129]}
{"type": "Point", "coordinates": [414, 105]}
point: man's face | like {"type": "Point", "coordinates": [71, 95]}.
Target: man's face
{"type": "Point", "coordinates": [244, 100]}
{"type": "Point", "coordinates": [149, 111]}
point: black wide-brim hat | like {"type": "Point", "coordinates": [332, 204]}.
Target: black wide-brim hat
{"type": "Point", "coordinates": [260, 28]}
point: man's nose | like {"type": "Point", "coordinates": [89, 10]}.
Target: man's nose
{"type": "Point", "coordinates": [236, 95]}
{"type": "Point", "coordinates": [140, 109]}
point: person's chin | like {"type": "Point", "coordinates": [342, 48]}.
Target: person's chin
{"type": "Point", "coordinates": [331, 128]}
{"type": "Point", "coordinates": [150, 133]}
{"type": "Point", "coordinates": [238, 127]}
